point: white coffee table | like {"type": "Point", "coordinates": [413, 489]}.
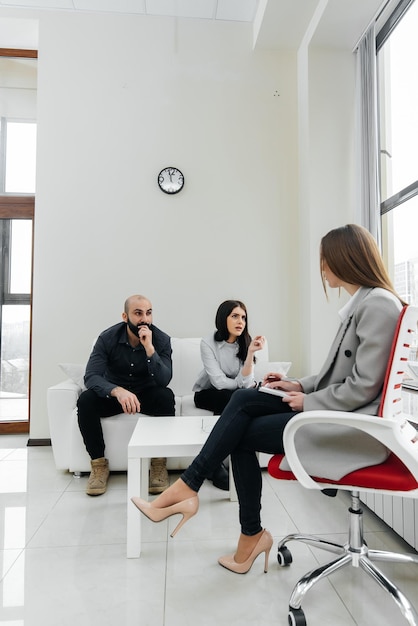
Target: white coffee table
{"type": "Point", "coordinates": [159, 437]}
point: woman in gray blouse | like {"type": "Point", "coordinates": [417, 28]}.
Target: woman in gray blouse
{"type": "Point", "coordinates": [228, 364]}
{"type": "Point", "coordinates": [228, 358]}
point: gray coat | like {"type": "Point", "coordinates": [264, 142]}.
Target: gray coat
{"type": "Point", "coordinates": [351, 379]}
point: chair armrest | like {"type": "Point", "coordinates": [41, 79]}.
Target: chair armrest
{"type": "Point", "coordinates": [398, 435]}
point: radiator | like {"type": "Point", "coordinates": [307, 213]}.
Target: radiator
{"type": "Point", "coordinates": [399, 513]}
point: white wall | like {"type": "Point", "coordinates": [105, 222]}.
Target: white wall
{"type": "Point", "coordinates": [119, 98]}
{"type": "Point", "coordinates": [326, 182]}
{"type": "Point", "coordinates": [266, 176]}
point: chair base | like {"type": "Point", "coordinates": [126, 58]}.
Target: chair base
{"type": "Point", "coordinates": [356, 553]}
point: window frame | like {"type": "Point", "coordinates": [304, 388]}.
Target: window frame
{"type": "Point", "coordinates": [18, 206]}
{"type": "Point", "coordinates": [382, 36]}
{"type": "Point", "coordinates": [411, 190]}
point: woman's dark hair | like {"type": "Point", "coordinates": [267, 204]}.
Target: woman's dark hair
{"type": "Point", "coordinates": [351, 253]}
{"type": "Point", "coordinates": [224, 310]}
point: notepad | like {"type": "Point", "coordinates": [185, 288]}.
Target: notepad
{"type": "Point", "coordinates": [274, 392]}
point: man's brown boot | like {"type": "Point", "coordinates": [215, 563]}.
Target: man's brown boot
{"type": "Point", "coordinates": [158, 475]}
{"type": "Point", "coordinates": [97, 482]}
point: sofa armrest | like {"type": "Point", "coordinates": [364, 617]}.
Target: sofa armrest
{"type": "Point", "coordinates": [61, 402]}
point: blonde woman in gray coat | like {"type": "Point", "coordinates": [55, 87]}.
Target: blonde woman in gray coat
{"type": "Point", "coordinates": [351, 379]}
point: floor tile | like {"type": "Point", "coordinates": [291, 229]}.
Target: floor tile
{"type": "Point", "coordinates": [86, 586]}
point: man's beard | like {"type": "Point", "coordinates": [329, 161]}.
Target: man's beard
{"type": "Point", "coordinates": [135, 328]}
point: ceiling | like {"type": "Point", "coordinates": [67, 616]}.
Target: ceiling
{"type": "Point", "coordinates": [335, 23]}
{"type": "Point", "coordinates": [277, 23]}
{"type": "Point", "coordinates": [237, 10]}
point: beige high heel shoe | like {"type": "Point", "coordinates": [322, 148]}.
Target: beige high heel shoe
{"type": "Point", "coordinates": [263, 545]}
{"type": "Point", "coordinates": [187, 508]}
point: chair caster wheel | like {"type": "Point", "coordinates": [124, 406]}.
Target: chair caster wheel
{"type": "Point", "coordinates": [296, 617]}
{"type": "Point", "coordinates": [284, 556]}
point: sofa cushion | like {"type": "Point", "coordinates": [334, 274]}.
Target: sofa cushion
{"type": "Point", "coordinates": [262, 368]}
{"type": "Point", "coordinates": [186, 364]}
{"type": "Point", "coordinates": [188, 407]}
{"type": "Point", "coordinates": [75, 372]}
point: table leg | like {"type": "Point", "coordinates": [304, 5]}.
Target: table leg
{"type": "Point", "coordinates": [145, 463]}
{"type": "Point", "coordinates": [133, 534]}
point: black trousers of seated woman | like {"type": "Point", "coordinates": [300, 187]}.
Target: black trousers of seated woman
{"type": "Point", "coordinates": [251, 422]}
{"type": "Point", "coordinates": [215, 400]}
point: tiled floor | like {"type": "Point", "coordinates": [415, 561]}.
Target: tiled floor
{"type": "Point", "coordinates": [64, 557]}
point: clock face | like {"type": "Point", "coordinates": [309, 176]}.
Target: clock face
{"type": "Point", "coordinates": [170, 180]}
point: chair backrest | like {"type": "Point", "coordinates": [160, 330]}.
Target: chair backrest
{"type": "Point", "coordinates": [391, 402]}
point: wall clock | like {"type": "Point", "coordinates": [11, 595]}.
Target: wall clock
{"type": "Point", "coordinates": [170, 180]}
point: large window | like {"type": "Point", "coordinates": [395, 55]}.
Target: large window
{"type": "Point", "coordinates": [20, 159]}
{"type": "Point", "coordinates": [397, 46]}
{"type": "Point", "coordinates": [18, 84]}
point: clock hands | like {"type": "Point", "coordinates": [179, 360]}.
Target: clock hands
{"type": "Point", "coordinates": [170, 180]}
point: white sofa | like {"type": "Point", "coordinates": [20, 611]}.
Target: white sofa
{"type": "Point", "coordinates": [67, 444]}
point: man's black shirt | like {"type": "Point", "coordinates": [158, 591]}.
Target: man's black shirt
{"type": "Point", "coordinates": [115, 363]}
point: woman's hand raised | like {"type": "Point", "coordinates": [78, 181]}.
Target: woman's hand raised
{"type": "Point", "coordinates": [257, 344]}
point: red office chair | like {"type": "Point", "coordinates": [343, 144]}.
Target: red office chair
{"type": "Point", "coordinates": [398, 475]}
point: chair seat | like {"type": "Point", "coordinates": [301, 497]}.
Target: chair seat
{"type": "Point", "coordinates": [391, 475]}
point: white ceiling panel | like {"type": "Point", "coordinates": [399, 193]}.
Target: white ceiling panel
{"type": "Point", "coordinates": [112, 6]}
{"type": "Point", "coordinates": [204, 9]}
{"type": "Point", "coordinates": [238, 10]}
{"type": "Point", "coordinates": [39, 4]}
